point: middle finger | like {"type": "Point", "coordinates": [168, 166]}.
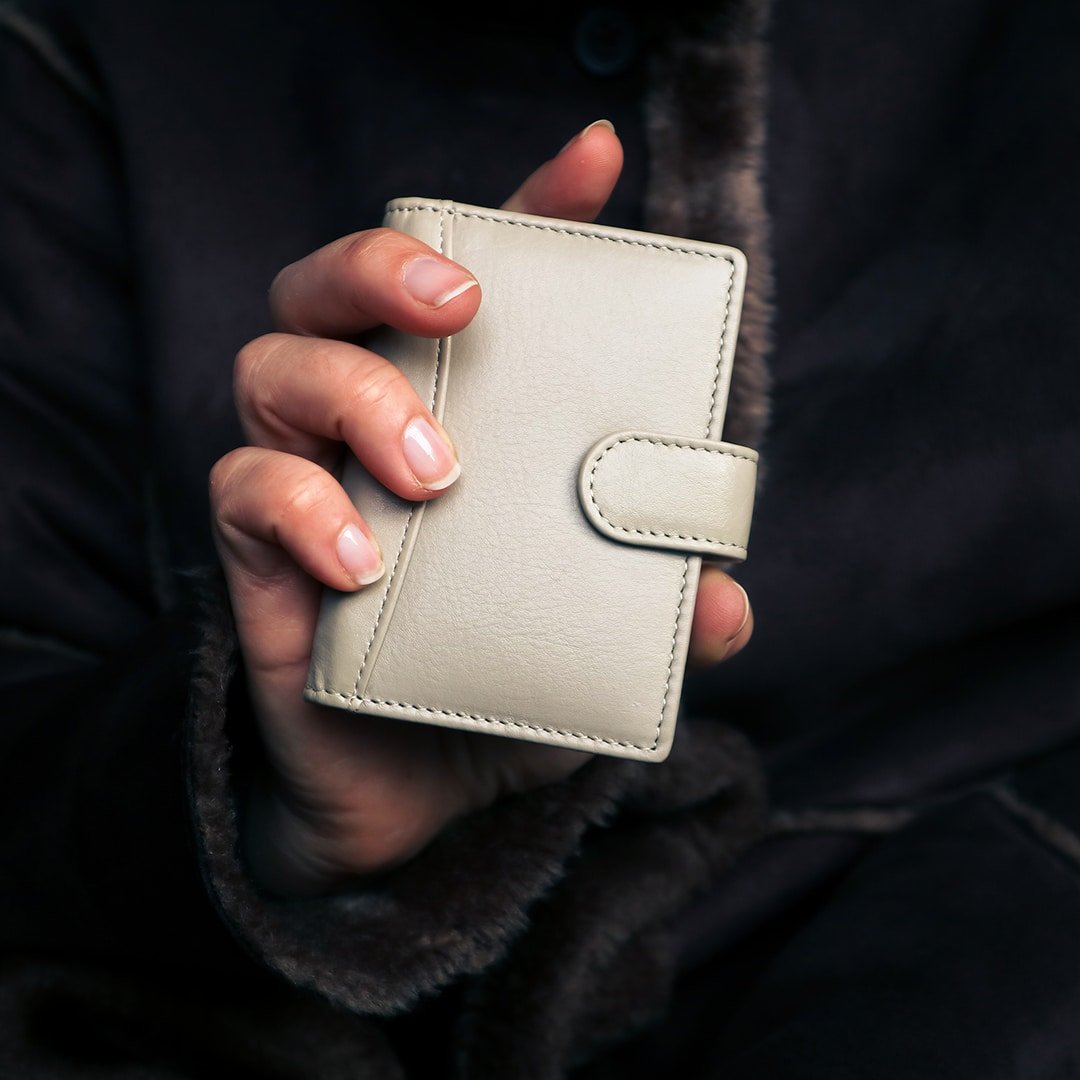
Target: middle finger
{"type": "Point", "coordinates": [305, 396]}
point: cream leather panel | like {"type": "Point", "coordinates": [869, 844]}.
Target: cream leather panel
{"type": "Point", "coordinates": [503, 609]}
{"type": "Point", "coordinates": [663, 491]}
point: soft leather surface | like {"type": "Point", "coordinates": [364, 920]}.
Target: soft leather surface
{"type": "Point", "coordinates": [653, 490]}
{"type": "Point", "coordinates": [503, 610]}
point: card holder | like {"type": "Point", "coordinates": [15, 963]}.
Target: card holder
{"type": "Point", "coordinates": [548, 594]}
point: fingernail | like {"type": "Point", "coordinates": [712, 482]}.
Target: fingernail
{"type": "Point", "coordinates": [742, 625]}
{"type": "Point", "coordinates": [585, 131]}
{"type": "Point", "coordinates": [359, 556]}
{"type": "Point", "coordinates": [746, 609]}
{"type": "Point", "coordinates": [430, 456]}
{"type": "Point", "coordinates": [434, 282]}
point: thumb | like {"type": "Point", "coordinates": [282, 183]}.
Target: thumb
{"type": "Point", "coordinates": [578, 181]}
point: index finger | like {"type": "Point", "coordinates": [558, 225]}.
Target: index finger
{"type": "Point", "coordinates": [384, 276]}
{"type": "Point", "coordinates": [373, 277]}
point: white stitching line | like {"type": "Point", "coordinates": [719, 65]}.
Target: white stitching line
{"type": "Point", "coordinates": [382, 605]}
{"type": "Point", "coordinates": [720, 354]}
{"type": "Point", "coordinates": [671, 657]}
{"type": "Point", "coordinates": [587, 234]}
{"type": "Point", "coordinates": [653, 532]}
{"type": "Point", "coordinates": [682, 591]}
{"type": "Point", "coordinates": [354, 699]}
{"type": "Point", "coordinates": [408, 520]}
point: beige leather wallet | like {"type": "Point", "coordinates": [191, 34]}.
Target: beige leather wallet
{"type": "Point", "coordinates": [548, 594]}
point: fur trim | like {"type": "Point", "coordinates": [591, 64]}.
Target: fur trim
{"type": "Point", "coordinates": [598, 960]}
{"type": "Point", "coordinates": [456, 908]}
{"type": "Point", "coordinates": [706, 130]}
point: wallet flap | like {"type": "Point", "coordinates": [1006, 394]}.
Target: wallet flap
{"type": "Point", "coordinates": [663, 491]}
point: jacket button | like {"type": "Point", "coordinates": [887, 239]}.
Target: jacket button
{"type": "Point", "coordinates": [605, 41]}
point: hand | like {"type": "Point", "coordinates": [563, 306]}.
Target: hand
{"type": "Point", "coordinates": [348, 795]}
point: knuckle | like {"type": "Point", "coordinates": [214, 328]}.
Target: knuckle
{"type": "Point", "coordinates": [285, 305]}
{"type": "Point", "coordinates": [222, 472]}
{"type": "Point", "coordinates": [226, 476]}
{"type": "Point", "coordinates": [360, 249]}
{"type": "Point", "coordinates": [250, 365]}
{"type": "Point", "coordinates": [305, 495]}
{"type": "Point", "coordinates": [261, 383]}
{"type": "Point", "coordinates": [281, 280]}
{"type": "Point", "coordinates": [363, 266]}
{"type": "Point", "coordinates": [375, 389]}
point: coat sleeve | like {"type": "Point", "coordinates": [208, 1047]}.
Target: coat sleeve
{"type": "Point", "coordinates": [95, 836]}
{"type": "Point", "coordinates": [127, 725]}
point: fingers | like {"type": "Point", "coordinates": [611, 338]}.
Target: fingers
{"type": "Point", "coordinates": [271, 509]}
{"type": "Point", "coordinates": [304, 396]}
{"type": "Point", "coordinates": [578, 181]}
{"type": "Point", "coordinates": [373, 277]}
{"type": "Point", "coordinates": [283, 527]}
{"type": "Point", "coordinates": [383, 276]}
{"type": "Point", "coordinates": [723, 619]}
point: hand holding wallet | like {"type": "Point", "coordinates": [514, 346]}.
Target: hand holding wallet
{"type": "Point", "coordinates": [548, 595]}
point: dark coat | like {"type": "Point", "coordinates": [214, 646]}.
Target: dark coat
{"type": "Point", "coordinates": [905, 901]}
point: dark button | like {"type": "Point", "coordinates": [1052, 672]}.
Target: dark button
{"type": "Point", "coordinates": [605, 41]}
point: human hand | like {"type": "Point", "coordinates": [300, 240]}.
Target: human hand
{"type": "Point", "coordinates": [347, 795]}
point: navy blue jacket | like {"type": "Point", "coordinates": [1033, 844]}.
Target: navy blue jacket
{"type": "Point", "coordinates": [864, 858]}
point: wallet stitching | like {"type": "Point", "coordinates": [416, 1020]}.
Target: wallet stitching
{"type": "Point", "coordinates": [653, 532]}
{"type": "Point", "coordinates": [382, 605]}
{"type": "Point", "coordinates": [408, 520]}
{"type": "Point", "coordinates": [671, 657]}
{"type": "Point", "coordinates": [587, 234]}
{"type": "Point", "coordinates": [356, 699]}
{"type": "Point", "coordinates": [720, 354]}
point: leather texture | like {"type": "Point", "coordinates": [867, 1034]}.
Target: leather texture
{"type": "Point", "coordinates": [652, 490]}
{"type": "Point", "coordinates": [503, 609]}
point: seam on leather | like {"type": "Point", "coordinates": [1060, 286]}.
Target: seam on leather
{"type": "Point", "coordinates": [367, 664]}
{"type": "Point", "coordinates": [674, 445]}
{"type": "Point", "coordinates": [671, 657]}
{"type": "Point", "coordinates": [587, 234]}
{"type": "Point", "coordinates": [353, 699]}
{"type": "Point", "coordinates": [719, 357]}
{"type": "Point", "coordinates": [382, 605]}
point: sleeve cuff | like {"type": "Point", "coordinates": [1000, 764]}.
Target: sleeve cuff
{"type": "Point", "coordinates": [613, 849]}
